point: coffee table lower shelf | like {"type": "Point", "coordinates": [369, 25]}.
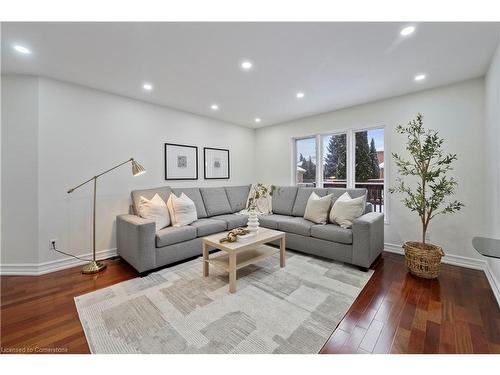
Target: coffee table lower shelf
{"type": "Point", "coordinates": [244, 257]}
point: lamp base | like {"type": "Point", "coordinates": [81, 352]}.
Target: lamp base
{"type": "Point", "coordinates": [93, 267]}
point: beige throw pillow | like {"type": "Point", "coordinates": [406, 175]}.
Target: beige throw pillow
{"type": "Point", "coordinates": [346, 209]}
{"type": "Point", "coordinates": [317, 208]}
{"type": "Point", "coordinates": [156, 210]}
{"type": "Point", "coordinates": [182, 210]}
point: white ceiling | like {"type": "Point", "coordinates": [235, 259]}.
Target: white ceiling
{"type": "Point", "coordinates": [193, 65]}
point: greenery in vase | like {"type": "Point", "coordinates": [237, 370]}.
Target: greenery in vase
{"type": "Point", "coordinates": [261, 190]}
{"type": "Point", "coordinates": [430, 165]}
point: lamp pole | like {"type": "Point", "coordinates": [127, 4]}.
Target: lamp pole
{"type": "Point", "coordinates": [95, 266]}
{"type": "Point", "coordinates": [93, 220]}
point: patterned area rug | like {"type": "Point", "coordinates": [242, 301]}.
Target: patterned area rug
{"type": "Point", "coordinates": [176, 310]}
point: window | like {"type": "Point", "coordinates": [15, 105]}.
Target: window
{"type": "Point", "coordinates": [305, 162]}
{"type": "Point", "coordinates": [348, 159]}
{"type": "Point", "coordinates": [369, 168]}
{"type": "Point", "coordinates": [334, 160]}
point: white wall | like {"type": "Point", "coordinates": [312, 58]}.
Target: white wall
{"type": "Point", "coordinates": [19, 170]}
{"type": "Point", "coordinates": [456, 111]}
{"type": "Point", "coordinates": [492, 181]}
{"type": "Point", "coordinates": [81, 132]}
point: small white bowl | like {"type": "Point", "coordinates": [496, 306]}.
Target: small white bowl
{"type": "Point", "coordinates": [245, 237]}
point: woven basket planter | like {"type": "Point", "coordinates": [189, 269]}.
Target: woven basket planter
{"type": "Point", "coordinates": [423, 260]}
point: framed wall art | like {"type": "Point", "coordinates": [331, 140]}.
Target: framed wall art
{"type": "Point", "coordinates": [216, 162]}
{"type": "Point", "coordinates": [181, 162]}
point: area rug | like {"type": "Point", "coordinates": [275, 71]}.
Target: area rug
{"type": "Point", "coordinates": [177, 310]}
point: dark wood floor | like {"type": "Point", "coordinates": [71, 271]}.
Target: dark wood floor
{"type": "Point", "coordinates": [395, 313]}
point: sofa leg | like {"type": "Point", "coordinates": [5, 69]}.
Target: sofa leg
{"type": "Point", "coordinates": [364, 269]}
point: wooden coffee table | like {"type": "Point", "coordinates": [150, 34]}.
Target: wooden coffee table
{"type": "Point", "coordinates": [240, 254]}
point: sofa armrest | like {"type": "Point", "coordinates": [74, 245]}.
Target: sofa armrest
{"type": "Point", "coordinates": [367, 238]}
{"type": "Point", "coordinates": [135, 238]}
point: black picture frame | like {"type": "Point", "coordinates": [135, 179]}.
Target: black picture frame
{"type": "Point", "coordinates": [205, 164]}
{"type": "Point", "coordinates": [167, 178]}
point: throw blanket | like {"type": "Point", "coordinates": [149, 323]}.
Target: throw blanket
{"type": "Point", "coordinates": [264, 205]}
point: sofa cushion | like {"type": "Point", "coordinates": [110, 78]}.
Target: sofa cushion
{"type": "Point", "coordinates": [317, 208]}
{"type": "Point", "coordinates": [182, 210]}
{"type": "Point", "coordinates": [284, 199]}
{"type": "Point", "coordinates": [297, 225]}
{"type": "Point", "coordinates": [272, 221]}
{"type": "Point", "coordinates": [303, 194]}
{"type": "Point", "coordinates": [156, 210]}
{"type": "Point", "coordinates": [171, 235]}
{"type": "Point", "coordinates": [237, 196]}
{"type": "Point", "coordinates": [216, 202]}
{"type": "Point", "coordinates": [163, 192]}
{"type": "Point", "coordinates": [195, 195]}
{"type": "Point", "coordinates": [353, 193]}
{"type": "Point", "coordinates": [346, 209]}
{"type": "Point", "coordinates": [206, 226]}
{"type": "Point", "coordinates": [332, 232]}
{"type": "Point", "coordinates": [233, 220]}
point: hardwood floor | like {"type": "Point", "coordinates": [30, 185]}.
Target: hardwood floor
{"type": "Point", "coordinates": [395, 313]}
{"type": "Point", "coordinates": [39, 311]}
{"type": "Point", "coordinates": [399, 313]}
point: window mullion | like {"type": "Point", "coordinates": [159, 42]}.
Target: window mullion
{"type": "Point", "coordinates": [351, 159]}
{"type": "Point", "coordinates": [319, 162]}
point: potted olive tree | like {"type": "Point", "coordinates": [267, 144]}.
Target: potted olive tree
{"type": "Point", "coordinates": [428, 197]}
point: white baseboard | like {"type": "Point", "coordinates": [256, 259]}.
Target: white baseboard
{"type": "Point", "coordinates": [455, 260]}
{"type": "Point", "coordinates": [34, 269]}
{"type": "Point", "coordinates": [460, 261]}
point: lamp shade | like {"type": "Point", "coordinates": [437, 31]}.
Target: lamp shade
{"type": "Point", "coordinates": [137, 169]}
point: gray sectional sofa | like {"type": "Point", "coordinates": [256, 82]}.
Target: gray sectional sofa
{"type": "Point", "coordinates": [217, 208]}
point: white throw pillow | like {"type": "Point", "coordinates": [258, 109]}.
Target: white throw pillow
{"type": "Point", "coordinates": [182, 210]}
{"type": "Point", "coordinates": [156, 210]}
{"type": "Point", "coordinates": [317, 208]}
{"type": "Point", "coordinates": [346, 209]}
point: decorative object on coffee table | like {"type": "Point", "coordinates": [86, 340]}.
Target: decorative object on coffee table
{"type": "Point", "coordinates": [216, 162]}
{"type": "Point", "coordinates": [137, 169]}
{"type": "Point", "coordinates": [232, 235]}
{"type": "Point", "coordinates": [181, 162]}
{"type": "Point", "coordinates": [430, 165]}
{"type": "Point", "coordinates": [260, 190]}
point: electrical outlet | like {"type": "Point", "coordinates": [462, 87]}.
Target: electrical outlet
{"type": "Point", "coordinates": [52, 244]}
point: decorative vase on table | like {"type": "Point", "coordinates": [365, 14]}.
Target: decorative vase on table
{"type": "Point", "coordinates": [258, 191]}
{"type": "Point", "coordinates": [429, 164]}
{"type": "Point", "coordinates": [253, 222]}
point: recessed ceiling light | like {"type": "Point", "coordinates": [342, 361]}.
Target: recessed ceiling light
{"type": "Point", "coordinates": [147, 86]}
{"type": "Point", "coordinates": [420, 77]}
{"type": "Point", "coordinates": [246, 65]}
{"type": "Point", "coordinates": [300, 95]}
{"type": "Point", "coordinates": [257, 119]}
{"type": "Point", "coordinates": [22, 49]}
{"type": "Point", "coordinates": [214, 107]}
{"type": "Point", "coordinates": [407, 30]}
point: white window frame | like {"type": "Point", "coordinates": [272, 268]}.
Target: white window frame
{"type": "Point", "coordinates": [294, 156]}
{"type": "Point", "coordinates": [351, 156]}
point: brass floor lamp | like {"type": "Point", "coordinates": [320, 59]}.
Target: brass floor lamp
{"type": "Point", "coordinates": [137, 170]}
